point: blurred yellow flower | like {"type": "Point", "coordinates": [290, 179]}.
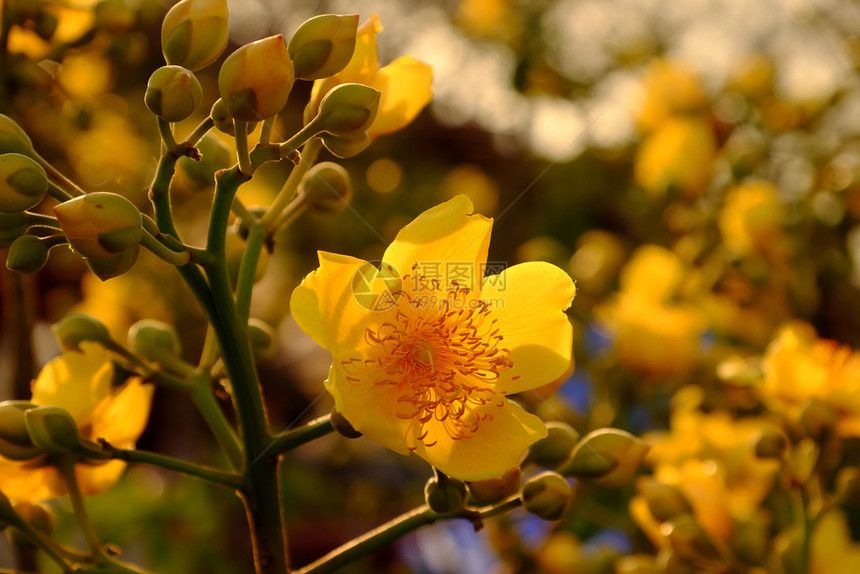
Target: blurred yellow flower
{"type": "Point", "coordinates": [676, 156]}
{"type": "Point", "coordinates": [832, 550]}
{"type": "Point", "coordinates": [752, 217]}
{"type": "Point", "coordinates": [426, 349]}
{"type": "Point", "coordinates": [82, 384]}
{"type": "Point", "coordinates": [669, 87]}
{"type": "Point", "coordinates": [404, 83]}
{"type": "Point", "coordinates": [72, 23]}
{"type": "Point", "coordinates": [489, 18]}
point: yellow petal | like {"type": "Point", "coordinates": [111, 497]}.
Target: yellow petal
{"type": "Point", "coordinates": [121, 418]}
{"type": "Point", "coordinates": [445, 236]}
{"type": "Point", "coordinates": [528, 302]}
{"type": "Point", "coordinates": [24, 482]}
{"type": "Point", "coordinates": [405, 86]}
{"type": "Point", "coordinates": [96, 478]}
{"type": "Point", "coordinates": [76, 382]}
{"type": "Point", "coordinates": [365, 60]}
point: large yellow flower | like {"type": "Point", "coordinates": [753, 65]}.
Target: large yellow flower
{"type": "Point", "coordinates": [404, 83]}
{"type": "Point", "coordinates": [426, 349]}
{"type": "Point", "coordinates": [82, 384]}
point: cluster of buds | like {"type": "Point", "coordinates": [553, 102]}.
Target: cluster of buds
{"type": "Point", "coordinates": [29, 431]}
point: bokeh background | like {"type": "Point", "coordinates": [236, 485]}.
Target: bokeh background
{"type": "Point", "coordinates": [694, 165]}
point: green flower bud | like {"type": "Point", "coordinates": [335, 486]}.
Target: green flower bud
{"type": "Point", "coordinates": [547, 495]}
{"type": "Point", "coordinates": [255, 80]}
{"type": "Point", "coordinates": [52, 429]}
{"type": "Point", "coordinates": [688, 539]}
{"type": "Point", "coordinates": [323, 45]}
{"type": "Point", "coordinates": [173, 93]}
{"type": "Point", "coordinates": [13, 139]}
{"type": "Point", "coordinates": [13, 226]}
{"type": "Point", "coordinates": [817, 418]}
{"type": "Point", "coordinates": [607, 457]}
{"type": "Point", "coordinates": [100, 225]}
{"type": "Point", "coordinates": [154, 340]}
{"type": "Point", "coordinates": [346, 146]}
{"type": "Point", "coordinates": [328, 187]}
{"type": "Point", "coordinates": [39, 517]}
{"type": "Point", "coordinates": [194, 33]}
{"type": "Point", "coordinates": [770, 444]}
{"type": "Point", "coordinates": [108, 267]}
{"type": "Point", "coordinates": [445, 495]}
{"type": "Point", "coordinates": [664, 500]}
{"type": "Point", "coordinates": [224, 121]}
{"type": "Point", "coordinates": [264, 342]}
{"type": "Point", "coordinates": [200, 174]}
{"type": "Point", "coordinates": [343, 426]}
{"type": "Point", "coordinates": [74, 328]}
{"type": "Point", "coordinates": [15, 443]}
{"type": "Point", "coordinates": [23, 183]}
{"type": "Point", "coordinates": [496, 489]}
{"type": "Point", "coordinates": [27, 254]}
{"type": "Point", "coordinates": [555, 448]}
{"type": "Point", "coordinates": [348, 109]}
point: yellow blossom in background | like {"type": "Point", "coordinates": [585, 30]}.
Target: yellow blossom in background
{"type": "Point", "coordinates": [489, 18]}
{"type": "Point", "coordinates": [677, 155]}
{"type": "Point", "coordinates": [751, 219]}
{"type": "Point", "coordinates": [426, 349]}
{"type": "Point", "coordinates": [404, 83]}
{"type": "Point", "coordinates": [669, 87]}
{"type": "Point", "coordinates": [832, 550]}
{"type": "Point", "coordinates": [82, 384]}
{"type": "Point", "coordinates": [73, 21]}
{"type": "Point", "coordinates": [85, 75]}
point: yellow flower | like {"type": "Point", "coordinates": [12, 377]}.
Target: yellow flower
{"type": "Point", "coordinates": [832, 549]}
{"type": "Point", "coordinates": [426, 349]}
{"type": "Point", "coordinates": [669, 87]}
{"type": "Point", "coordinates": [82, 384]}
{"type": "Point", "coordinates": [404, 83]}
{"type": "Point", "coordinates": [752, 217]}
{"type": "Point", "coordinates": [676, 156]}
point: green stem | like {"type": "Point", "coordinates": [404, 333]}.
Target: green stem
{"type": "Point", "coordinates": [58, 192]}
{"type": "Point", "coordinates": [201, 130]}
{"type": "Point", "coordinates": [248, 269]}
{"type": "Point", "coordinates": [292, 145]}
{"type": "Point", "coordinates": [148, 372]}
{"type": "Point", "coordinates": [71, 187]}
{"type": "Point", "coordinates": [204, 400]}
{"type": "Point", "coordinates": [166, 133]}
{"type": "Point", "coordinates": [66, 467]}
{"type": "Point", "coordinates": [242, 153]}
{"type": "Point", "coordinates": [266, 130]}
{"type": "Point", "coordinates": [183, 467]}
{"type": "Point", "coordinates": [43, 544]}
{"type": "Point", "coordinates": [295, 438]}
{"type": "Point", "coordinates": [293, 211]}
{"type": "Point", "coordinates": [41, 220]}
{"type": "Point", "coordinates": [242, 212]}
{"type": "Point", "coordinates": [177, 258]}
{"type": "Point", "coordinates": [209, 354]}
{"type": "Point", "coordinates": [289, 188]}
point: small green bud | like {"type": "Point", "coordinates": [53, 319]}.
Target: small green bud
{"type": "Point", "coordinates": [323, 45]}
{"type": "Point", "coordinates": [328, 187]}
{"type": "Point", "coordinates": [27, 254]}
{"type": "Point", "coordinates": [264, 342]}
{"type": "Point", "coordinates": [255, 80]}
{"type": "Point", "coordinates": [547, 495]}
{"type": "Point", "coordinates": [606, 457]}
{"type": "Point", "coordinates": [348, 109]}
{"type": "Point", "coordinates": [15, 443]}
{"type": "Point", "coordinates": [554, 449]}
{"type": "Point", "coordinates": [173, 93]}
{"type": "Point", "coordinates": [153, 340]}
{"type": "Point", "coordinates": [100, 225]}
{"type": "Point", "coordinates": [13, 139]}
{"type": "Point", "coordinates": [194, 33]}
{"type": "Point", "coordinates": [445, 495]}
{"type": "Point", "coordinates": [215, 156]}
{"type": "Point", "coordinates": [818, 419]}
{"type": "Point", "coordinates": [346, 146]}
{"type": "Point", "coordinates": [23, 183]}
{"type": "Point", "coordinates": [224, 121]}
{"type": "Point", "coordinates": [74, 328]}
{"type": "Point", "coordinates": [496, 489]}
{"type": "Point", "coordinates": [343, 426]}
{"type": "Point", "coordinates": [664, 500]}
{"type": "Point", "coordinates": [13, 226]}
{"type": "Point", "coordinates": [108, 267]}
{"type": "Point", "coordinates": [771, 444]}
{"type": "Point", "coordinates": [52, 429]}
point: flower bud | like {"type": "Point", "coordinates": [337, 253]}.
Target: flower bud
{"type": "Point", "coordinates": [445, 495]}
{"type": "Point", "coordinates": [173, 93]}
{"type": "Point", "coordinates": [328, 187]}
{"type": "Point", "coordinates": [496, 489]}
{"type": "Point", "coordinates": [818, 419]}
{"type": "Point", "coordinates": [40, 518]}
{"type": "Point", "coordinates": [348, 109]}
{"type": "Point", "coordinates": [224, 121]}
{"type": "Point", "coordinates": [108, 267]}
{"type": "Point", "coordinates": [215, 156]}
{"type": "Point", "coordinates": [27, 254]}
{"type": "Point", "coordinates": [52, 429]}
{"type": "Point", "coordinates": [23, 183]}
{"type": "Point", "coordinates": [346, 146]}
{"type": "Point", "coordinates": [74, 328]}
{"type": "Point", "coordinates": [323, 45]}
{"type": "Point", "coordinates": [13, 139]}
{"type": "Point", "coordinates": [547, 495]}
{"type": "Point", "coordinates": [194, 33]}
{"type": "Point", "coordinates": [263, 339]}
{"type": "Point", "coordinates": [255, 80]}
{"type": "Point", "coordinates": [607, 457]}
{"type": "Point", "coordinates": [342, 426]}
{"type": "Point", "coordinates": [664, 500]}
{"type": "Point", "coordinates": [153, 340]}
{"type": "Point", "coordinates": [771, 444]}
{"type": "Point", "coordinates": [100, 225]}
{"type": "Point", "coordinates": [13, 226]}
{"type": "Point", "coordinates": [15, 443]}
{"type": "Point", "coordinates": [235, 252]}
{"type": "Point", "coordinates": [554, 449]}
{"type": "Point", "coordinates": [688, 538]}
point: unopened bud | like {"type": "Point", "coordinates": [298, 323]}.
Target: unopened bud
{"type": "Point", "coordinates": [13, 139]}
{"type": "Point", "coordinates": [496, 489]}
{"type": "Point", "coordinates": [224, 121]}
{"type": "Point", "coordinates": [818, 419]}
{"type": "Point", "coordinates": [52, 429]}
{"type": "Point", "coordinates": [108, 267]}
{"type": "Point", "coordinates": [547, 495]}
{"type": "Point", "coordinates": [215, 156]}
{"type": "Point", "coordinates": [23, 183]}
{"type": "Point", "coordinates": [13, 226]}
{"type": "Point", "coordinates": [554, 449]}
{"type": "Point", "coordinates": [664, 500]}
{"type": "Point", "coordinates": [348, 109]}
{"type": "Point", "coordinates": [346, 146]}
{"type": "Point", "coordinates": [263, 339]}
{"type": "Point", "coordinates": [153, 340]}
{"type": "Point", "coordinates": [255, 80]}
{"type": "Point", "coordinates": [194, 32]}
{"type": "Point", "coordinates": [27, 254]}
{"type": "Point", "coordinates": [100, 225]}
{"type": "Point", "coordinates": [75, 328]}
{"type": "Point", "coordinates": [235, 252]}
{"type": "Point", "coordinates": [343, 426]}
{"type": "Point", "coordinates": [771, 444]}
{"type": "Point", "coordinates": [40, 518]}
{"type": "Point", "coordinates": [173, 93]}
{"type": "Point", "coordinates": [15, 443]}
{"type": "Point", "coordinates": [445, 495]}
{"type": "Point", "coordinates": [323, 45]}
{"type": "Point", "coordinates": [607, 457]}
{"type": "Point", "coordinates": [328, 187]}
